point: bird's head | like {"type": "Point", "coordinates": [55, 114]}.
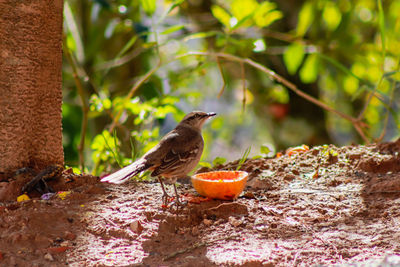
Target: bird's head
{"type": "Point", "coordinates": [196, 119]}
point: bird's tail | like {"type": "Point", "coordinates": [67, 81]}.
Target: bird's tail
{"type": "Point", "coordinates": [127, 172]}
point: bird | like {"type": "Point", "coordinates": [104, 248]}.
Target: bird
{"type": "Point", "coordinates": [177, 154]}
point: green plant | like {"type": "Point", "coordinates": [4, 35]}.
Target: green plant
{"type": "Point", "coordinates": [243, 158]}
{"type": "Point", "coordinates": [333, 75]}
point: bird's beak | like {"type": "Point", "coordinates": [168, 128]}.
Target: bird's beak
{"type": "Point", "coordinates": [211, 114]}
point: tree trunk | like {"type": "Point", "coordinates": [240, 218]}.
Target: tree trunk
{"type": "Point", "coordinates": [30, 84]}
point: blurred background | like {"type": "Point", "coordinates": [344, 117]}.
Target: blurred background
{"type": "Point", "coordinates": [132, 69]}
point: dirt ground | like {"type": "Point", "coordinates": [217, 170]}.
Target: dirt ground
{"type": "Point", "coordinates": [328, 206]}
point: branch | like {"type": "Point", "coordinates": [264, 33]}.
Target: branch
{"type": "Point", "coordinates": [133, 91]}
{"type": "Point", "coordinates": [358, 124]}
{"type": "Point", "coordinates": [243, 74]}
{"type": "Point", "coordinates": [222, 76]}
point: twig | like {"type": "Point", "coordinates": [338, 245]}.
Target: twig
{"type": "Point", "coordinates": [133, 90]}
{"type": "Point", "coordinates": [390, 104]}
{"type": "Point", "coordinates": [198, 245]}
{"type": "Point", "coordinates": [242, 71]}
{"type": "Point", "coordinates": [357, 123]}
{"type": "Point", "coordinates": [361, 133]}
{"type": "Point", "coordinates": [295, 258]}
{"type": "Point", "coordinates": [370, 95]}
{"type": "Point", "coordinates": [280, 79]}
{"type": "Point", "coordinates": [85, 106]}
{"type": "Point", "coordinates": [107, 220]}
{"type": "Point", "coordinates": [222, 76]}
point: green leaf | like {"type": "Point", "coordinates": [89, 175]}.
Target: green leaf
{"type": "Point", "coordinates": [128, 45]}
{"type": "Point", "coordinates": [149, 44]}
{"type": "Point", "coordinates": [149, 6]}
{"type": "Point", "coordinates": [218, 161]}
{"type": "Point", "coordinates": [205, 164]}
{"type": "Point", "coordinates": [265, 149]}
{"type": "Point", "coordinates": [241, 22]}
{"type": "Point", "coordinates": [331, 16]}
{"type": "Point", "coordinates": [173, 29]}
{"type": "Point", "coordinates": [222, 16]}
{"type": "Point", "coordinates": [243, 8]}
{"type": "Point", "coordinates": [309, 71]}
{"type": "Point", "coordinates": [306, 18]}
{"type": "Point", "coordinates": [107, 103]}
{"type": "Point", "coordinates": [279, 94]}
{"type": "Point", "coordinates": [175, 4]}
{"type": "Point", "coordinates": [266, 14]}
{"type": "Point", "coordinates": [200, 35]}
{"type": "Point", "coordinates": [350, 84]}
{"type": "Point", "coordinates": [270, 18]}
{"type": "Point", "coordinates": [293, 57]}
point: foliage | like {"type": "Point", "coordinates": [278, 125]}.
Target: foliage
{"type": "Point", "coordinates": [243, 158]}
{"type": "Point", "coordinates": [129, 64]}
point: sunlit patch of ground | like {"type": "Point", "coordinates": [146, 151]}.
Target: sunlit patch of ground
{"type": "Point", "coordinates": [326, 206]}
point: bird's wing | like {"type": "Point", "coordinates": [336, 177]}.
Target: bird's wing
{"type": "Point", "coordinates": [175, 158]}
{"type": "Point", "coordinates": [177, 149]}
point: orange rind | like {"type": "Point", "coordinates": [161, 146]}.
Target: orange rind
{"type": "Point", "coordinates": [225, 185]}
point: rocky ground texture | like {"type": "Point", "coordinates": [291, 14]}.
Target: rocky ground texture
{"type": "Point", "coordinates": [325, 206]}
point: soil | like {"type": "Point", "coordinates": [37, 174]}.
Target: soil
{"type": "Point", "coordinates": [325, 206]}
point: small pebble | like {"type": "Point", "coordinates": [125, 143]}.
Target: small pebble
{"type": "Point", "coordinates": [66, 244]}
{"type": "Point", "coordinates": [259, 221]}
{"type": "Point", "coordinates": [195, 231]}
{"type": "Point", "coordinates": [207, 222]}
{"type": "Point", "coordinates": [48, 257]}
{"type": "Point", "coordinates": [136, 227]}
{"type": "Point", "coordinates": [249, 195]}
{"type": "Point", "coordinates": [69, 236]}
{"type": "Point", "coordinates": [234, 222]}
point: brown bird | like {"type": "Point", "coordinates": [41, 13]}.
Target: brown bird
{"type": "Point", "coordinates": [177, 153]}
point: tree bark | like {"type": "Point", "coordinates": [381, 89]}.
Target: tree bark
{"type": "Point", "coordinates": [30, 84]}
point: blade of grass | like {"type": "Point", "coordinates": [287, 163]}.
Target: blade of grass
{"type": "Point", "coordinates": [72, 26]}
{"type": "Point", "coordinates": [244, 158]}
{"type": "Point", "coordinates": [133, 154]}
{"type": "Point", "coordinates": [111, 150]}
{"type": "Point", "coordinates": [381, 18]}
{"type": "Point", "coordinates": [343, 68]}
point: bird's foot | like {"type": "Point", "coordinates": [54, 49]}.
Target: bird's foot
{"type": "Point", "coordinates": [166, 199]}
{"type": "Point", "coordinates": [178, 203]}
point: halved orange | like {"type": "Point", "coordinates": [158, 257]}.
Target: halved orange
{"type": "Point", "coordinates": [226, 185]}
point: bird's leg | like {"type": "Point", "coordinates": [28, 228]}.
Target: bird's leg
{"type": "Point", "coordinates": [165, 194]}
{"type": "Point", "coordinates": [177, 195]}
{"type": "Point", "coordinates": [178, 202]}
